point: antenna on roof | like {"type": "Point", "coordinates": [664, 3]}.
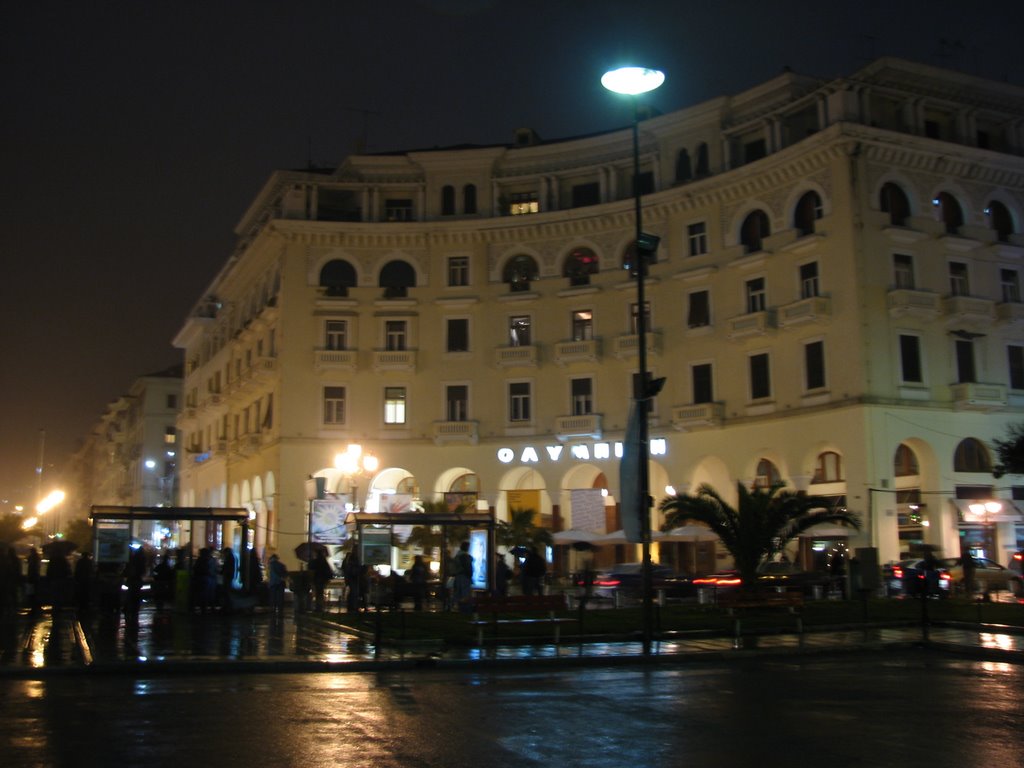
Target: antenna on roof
{"type": "Point", "coordinates": [361, 142]}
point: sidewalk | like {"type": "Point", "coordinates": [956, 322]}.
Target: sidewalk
{"type": "Point", "coordinates": [170, 642]}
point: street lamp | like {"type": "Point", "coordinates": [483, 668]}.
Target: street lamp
{"type": "Point", "coordinates": [355, 462]}
{"type": "Point", "coordinates": [633, 81]}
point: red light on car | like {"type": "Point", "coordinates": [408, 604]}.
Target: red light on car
{"type": "Point", "coordinates": [897, 572]}
{"type": "Point", "coordinates": [606, 582]}
{"type": "Point", "coordinates": [1018, 556]}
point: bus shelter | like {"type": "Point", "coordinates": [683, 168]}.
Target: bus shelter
{"type": "Point", "coordinates": [114, 527]}
{"type": "Point", "coordinates": [375, 536]}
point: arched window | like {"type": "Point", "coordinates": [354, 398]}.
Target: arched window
{"type": "Point", "coordinates": [971, 456]}
{"type": "Point", "coordinates": [904, 463]}
{"type": "Point", "coordinates": [703, 163]}
{"type": "Point", "coordinates": [893, 200]}
{"type": "Point", "coordinates": [767, 474]}
{"type": "Point", "coordinates": [683, 170]}
{"type": "Point", "coordinates": [1000, 220]}
{"type": "Point", "coordinates": [447, 200]}
{"type": "Point", "coordinates": [829, 468]}
{"type": "Point", "coordinates": [755, 228]}
{"type": "Point", "coordinates": [950, 212]}
{"type": "Point", "coordinates": [396, 278]}
{"type": "Point", "coordinates": [519, 271]}
{"type": "Point", "coordinates": [468, 483]}
{"type": "Point", "coordinates": [579, 265]}
{"type": "Point", "coordinates": [337, 276]}
{"type": "Point", "coordinates": [469, 198]}
{"type": "Point", "coordinates": [807, 211]}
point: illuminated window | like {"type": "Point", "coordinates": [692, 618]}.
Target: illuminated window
{"type": "Point", "coordinates": [170, 435]}
{"type": "Point", "coordinates": [519, 334]}
{"type": "Point", "coordinates": [524, 202]}
{"type": "Point", "coordinates": [579, 266]}
{"type": "Point", "coordinates": [394, 405]}
{"type": "Point", "coordinates": [582, 325]}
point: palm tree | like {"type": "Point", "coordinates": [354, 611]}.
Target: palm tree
{"type": "Point", "coordinates": [763, 522]}
{"type": "Point", "coordinates": [520, 530]}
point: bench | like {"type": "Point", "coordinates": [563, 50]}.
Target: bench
{"type": "Point", "coordinates": [494, 611]}
{"type": "Point", "coordinates": [736, 601]}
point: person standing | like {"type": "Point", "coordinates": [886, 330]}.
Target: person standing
{"type": "Point", "coordinates": [352, 571]}
{"type": "Point", "coordinates": [227, 578]}
{"type": "Point", "coordinates": [322, 574]}
{"type": "Point", "coordinates": [277, 574]}
{"type": "Point", "coordinates": [83, 583]}
{"type": "Point", "coordinates": [533, 571]}
{"type": "Point", "coordinates": [463, 573]}
{"type": "Point", "coordinates": [418, 574]}
{"type": "Point", "coordinates": [32, 575]}
{"type": "Point", "coordinates": [502, 576]}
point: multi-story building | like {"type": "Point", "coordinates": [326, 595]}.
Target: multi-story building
{"type": "Point", "coordinates": [131, 456]}
{"type": "Point", "coordinates": [835, 304]}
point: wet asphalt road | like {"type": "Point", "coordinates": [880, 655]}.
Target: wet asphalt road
{"type": "Point", "coordinates": [901, 709]}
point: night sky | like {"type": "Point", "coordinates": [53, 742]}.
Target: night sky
{"type": "Point", "coordinates": [136, 133]}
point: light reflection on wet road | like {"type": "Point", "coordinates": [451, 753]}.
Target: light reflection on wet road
{"type": "Point", "coordinates": [879, 709]}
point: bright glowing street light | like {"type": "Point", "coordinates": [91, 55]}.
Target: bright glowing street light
{"type": "Point", "coordinates": [632, 81]}
{"type": "Point", "coordinates": [52, 500]}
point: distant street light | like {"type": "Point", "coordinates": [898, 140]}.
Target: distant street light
{"type": "Point", "coordinates": [53, 498]}
{"type": "Point", "coordinates": [633, 81]}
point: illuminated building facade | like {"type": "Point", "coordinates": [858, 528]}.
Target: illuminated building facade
{"type": "Point", "coordinates": [835, 305]}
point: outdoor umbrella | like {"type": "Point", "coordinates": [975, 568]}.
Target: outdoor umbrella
{"type": "Point", "coordinates": [574, 536]}
{"type": "Point", "coordinates": [689, 533]}
{"type": "Point", "coordinates": [307, 550]}
{"type": "Point", "coordinates": [619, 537]}
{"type": "Point", "coordinates": [59, 548]}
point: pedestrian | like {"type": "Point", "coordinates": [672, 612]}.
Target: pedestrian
{"type": "Point", "coordinates": [322, 574]}
{"type": "Point", "coordinates": [163, 582]}
{"type": "Point", "coordinates": [418, 575]}
{"type": "Point", "coordinates": [352, 572]}
{"type": "Point", "coordinates": [32, 576]}
{"type": "Point", "coordinates": [532, 572]}
{"type": "Point", "coordinates": [277, 575]}
{"type": "Point", "coordinates": [58, 579]}
{"type": "Point", "coordinates": [134, 573]}
{"type": "Point", "coordinates": [502, 576]}
{"type": "Point", "coordinates": [227, 578]}
{"type": "Point", "coordinates": [83, 583]}
{"type": "Point", "coordinates": [968, 570]}
{"type": "Point", "coordinates": [255, 584]}
{"type": "Point", "coordinates": [462, 567]}
{"type": "Point", "coordinates": [204, 580]}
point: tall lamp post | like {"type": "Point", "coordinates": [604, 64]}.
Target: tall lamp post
{"type": "Point", "coordinates": [633, 81]}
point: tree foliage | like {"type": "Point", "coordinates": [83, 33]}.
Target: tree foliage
{"type": "Point", "coordinates": [10, 528]}
{"type": "Point", "coordinates": [1010, 452]}
{"type": "Point", "coordinates": [521, 530]}
{"type": "Point", "coordinates": [760, 525]}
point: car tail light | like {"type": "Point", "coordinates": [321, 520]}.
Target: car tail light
{"type": "Point", "coordinates": [897, 572]}
{"type": "Point", "coordinates": [606, 582]}
{"type": "Point", "coordinates": [1018, 556]}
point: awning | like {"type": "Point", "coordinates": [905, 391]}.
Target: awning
{"type": "Point", "coordinates": [1008, 511]}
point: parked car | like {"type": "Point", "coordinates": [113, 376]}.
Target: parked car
{"type": "Point", "coordinates": [1017, 562]}
{"type": "Point", "coordinates": [627, 579]}
{"type": "Point", "coordinates": [989, 576]}
{"type": "Point", "coordinates": [909, 578]}
{"type": "Point", "coordinates": [789, 576]}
